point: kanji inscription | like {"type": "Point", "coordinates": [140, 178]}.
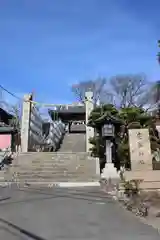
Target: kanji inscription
{"type": "Point", "coordinates": [140, 151]}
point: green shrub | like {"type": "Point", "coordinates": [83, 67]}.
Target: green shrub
{"type": "Point", "coordinates": [132, 187]}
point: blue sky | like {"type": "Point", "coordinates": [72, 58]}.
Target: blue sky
{"type": "Point", "coordinates": [47, 45]}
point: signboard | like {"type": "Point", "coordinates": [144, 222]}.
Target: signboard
{"type": "Point", "coordinates": [140, 150]}
{"type": "Point", "coordinates": [5, 141]}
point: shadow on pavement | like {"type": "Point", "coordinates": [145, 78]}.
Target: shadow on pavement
{"type": "Point", "coordinates": [91, 196]}
{"type": "Point", "coordinates": [21, 230]}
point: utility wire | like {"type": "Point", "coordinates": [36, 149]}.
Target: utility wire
{"type": "Point", "coordinates": [35, 102]}
{"type": "Point", "coordinates": [45, 104]}
{"type": "Point", "coordinates": [12, 94]}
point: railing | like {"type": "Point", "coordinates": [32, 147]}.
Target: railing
{"type": "Point", "coordinates": [35, 129]}
{"type": "Point", "coordinates": [55, 135]}
{"type": "Point", "coordinates": [37, 137]}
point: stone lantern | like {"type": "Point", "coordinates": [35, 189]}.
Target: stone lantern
{"type": "Point", "coordinates": [108, 125]}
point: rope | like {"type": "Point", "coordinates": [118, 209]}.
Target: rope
{"type": "Point", "coordinates": [52, 104]}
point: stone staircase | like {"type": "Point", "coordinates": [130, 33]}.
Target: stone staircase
{"type": "Point", "coordinates": [71, 164]}
{"type": "Point", "coordinates": [53, 168]}
{"type": "Point", "coordinates": [73, 142]}
{"type": "Point", "coordinates": [150, 179]}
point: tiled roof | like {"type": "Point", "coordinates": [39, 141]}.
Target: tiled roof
{"type": "Point", "coordinates": [7, 129]}
{"type": "Point", "coordinates": [69, 109]}
{"type": "Point", "coordinates": [3, 112]}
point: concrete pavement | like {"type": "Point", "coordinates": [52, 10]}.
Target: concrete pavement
{"type": "Point", "coordinates": [79, 214]}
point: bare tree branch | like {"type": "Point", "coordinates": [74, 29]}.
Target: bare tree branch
{"type": "Point", "coordinates": [16, 111]}
{"type": "Point", "coordinates": [128, 89]}
{"type": "Point", "coordinates": [96, 86]}
{"type": "Point", "coordinates": [3, 103]}
{"type": "Point", "coordinates": [151, 97]}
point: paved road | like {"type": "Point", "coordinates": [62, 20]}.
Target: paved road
{"type": "Point", "coordinates": [68, 214]}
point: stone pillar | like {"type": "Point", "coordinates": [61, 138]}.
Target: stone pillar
{"type": "Point", "coordinates": [109, 171]}
{"type": "Point", "coordinates": [88, 107]}
{"type": "Point", "coordinates": [25, 123]}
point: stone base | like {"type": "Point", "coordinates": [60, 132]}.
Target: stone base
{"type": "Point", "coordinates": [110, 172]}
{"type": "Point", "coordinates": [150, 178]}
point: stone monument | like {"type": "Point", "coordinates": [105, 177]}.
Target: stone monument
{"type": "Point", "coordinates": [141, 160]}
{"type": "Point", "coordinates": [140, 150]}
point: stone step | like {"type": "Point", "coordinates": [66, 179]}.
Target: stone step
{"type": "Point", "coordinates": [51, 153]}
{"type": "Point", "coordinates": [54, 176]}
{"type": "Point", "coordinates": [49, 167]}
{"type": "Point", "coordinates": [51, 161]}
{"type": "Point", "coordinates": [58, 179]}
{"type": "Point", "coordinates": [73, 142]}
{"type": "Point", "coordinates": [57, 160]}
{"type": "Point", "coordinates": [42, 180]}
{"type": "Point", "coordinates": [146, 175]}
{"type": "Point", "coordinates": [54, 164]}
{"type": "Point", "coordinates": [54, 173]}
{"type": "Point", "coordinates": [50, 158]}
{"type": "Point", "coordinates": [82, 170]}
{"type": "Point", "coordinates": [53, 180]}
{"type": "Point", "coordinates": [66, 176]}
{"type": "Point", "coordinates": [150, 179]}
{"type": "Point", "coordinates": [48, 175]}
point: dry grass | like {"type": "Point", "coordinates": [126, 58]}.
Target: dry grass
{"type": "Point", "coordinates": [152, 197]}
